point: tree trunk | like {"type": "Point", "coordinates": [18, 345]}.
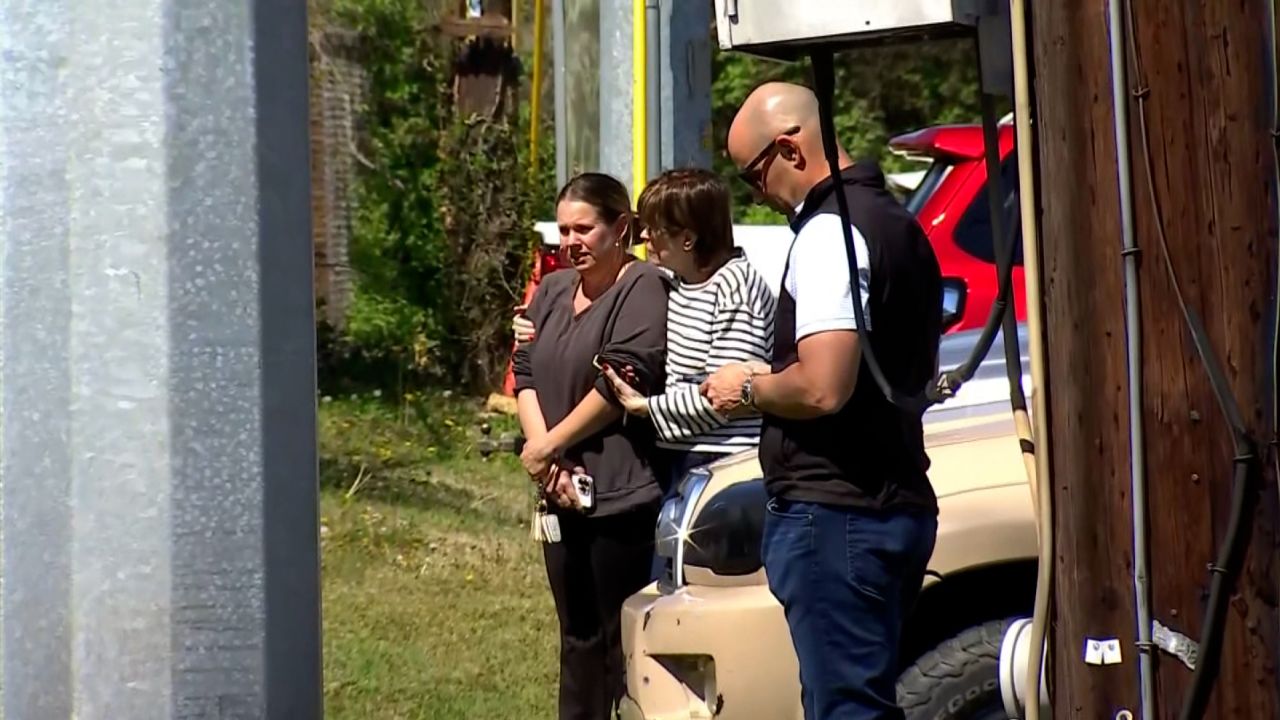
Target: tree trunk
{"type": "Point", "coordinates": [1208, 82]}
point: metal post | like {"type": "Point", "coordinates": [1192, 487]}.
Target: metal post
{"type": "Point", "coordinates": [1133, 362]}
{"type": "Point", "coordinates": [559, 59]}
{"type": "Point", "coordinates": [685, 91]}
{"type": "Point", "coordinates": [653, 89]}
{"type": "Point", "coordinates": [681, 119]}
{"type": "Point", "coordinates": [158, 462]}
{"type": "Point", "coordinates": [615, 89]}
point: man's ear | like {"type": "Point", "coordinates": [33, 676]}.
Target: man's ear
{"type": "Point", "coordinates": [800, 162]}
{"type": "Point", "coordinates": [790, 151]}
{"type": "Point", "coordinates": [787, 148]}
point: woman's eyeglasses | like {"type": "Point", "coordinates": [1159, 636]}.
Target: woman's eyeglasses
{"type": "Point", "coordinates": [753, 174]}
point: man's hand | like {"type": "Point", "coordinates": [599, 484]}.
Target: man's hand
{"type": "Point", "coordinates": [819, 383]}
{"type": "Point", "coordinates": [633, 402]}
{"type": "Point", "coordinates": [537, 457]}
{"type": "Point", "coordinates": [723, 389]}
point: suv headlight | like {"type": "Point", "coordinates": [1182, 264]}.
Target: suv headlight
{"type": "Point", "coordinates": [674, 520]}
{"type": "Point", "coordinates": [725, 535]}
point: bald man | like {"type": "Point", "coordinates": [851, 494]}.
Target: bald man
{"type": "Point", "coordinates": [852, 516]}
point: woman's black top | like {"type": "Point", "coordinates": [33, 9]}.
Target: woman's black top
{"type": "Point", "coordinates": [626, 325]}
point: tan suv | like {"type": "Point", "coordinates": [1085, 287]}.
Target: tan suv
{"type": "Point", "coordinates": [710, 641]}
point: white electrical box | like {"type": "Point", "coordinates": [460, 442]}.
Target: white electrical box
{"type": "Point", "coordinates": [784, 29]}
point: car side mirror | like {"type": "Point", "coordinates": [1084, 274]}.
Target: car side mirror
{"type": "Point", "coordinates": [955, 292]}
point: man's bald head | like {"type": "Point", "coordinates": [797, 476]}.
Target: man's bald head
{"type": "Point", "coordinates": [789, 115]}
{"type": "Point", "coordinates": [769, 111]}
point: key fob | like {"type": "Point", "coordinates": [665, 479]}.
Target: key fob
{"type": "Point", "coordinates": [551, 524]}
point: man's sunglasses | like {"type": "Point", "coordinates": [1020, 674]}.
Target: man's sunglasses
{"type": "Point", "coordinates": [753, 173]}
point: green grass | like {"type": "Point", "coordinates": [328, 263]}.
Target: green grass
{"type": "Point", "coordinates": [435, 599]}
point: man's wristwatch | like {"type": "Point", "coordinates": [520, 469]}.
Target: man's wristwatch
{"type": "Point", "coordinates": [747, 397]}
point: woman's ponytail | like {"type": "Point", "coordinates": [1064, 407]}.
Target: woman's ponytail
{"type": "Point", "coordinates": [633, 230]}
{"type": "Point", "coordinates": [610, 199]}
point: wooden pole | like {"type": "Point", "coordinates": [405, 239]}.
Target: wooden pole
{"type": "Point", "coordinates": [1203, 70]}
{"type": "Point", "coordinates": [485, 70]}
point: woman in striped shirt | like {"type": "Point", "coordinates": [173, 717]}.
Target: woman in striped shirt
{"type": "Point", "coordinates": [719, 311]}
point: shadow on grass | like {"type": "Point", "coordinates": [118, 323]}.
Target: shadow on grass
{"type": "Point", "coordinates": [470, 489]}
{"type": "Point", "coordinates": [421, 455]}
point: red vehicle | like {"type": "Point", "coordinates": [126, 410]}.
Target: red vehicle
{"type": "Point", "coordinates": [951, 204]}
{"type": "Point", "coordinates": [950, 201]}
{"type": "Point", "coordinates": [546, 260]}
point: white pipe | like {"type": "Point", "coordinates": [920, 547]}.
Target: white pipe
{"type": "Point", "coordinates": [1015, 654]}
{"type": "Point", "coordinates": [1133, 340]}
{"type": "Point", "coordinates": [1042, 490]}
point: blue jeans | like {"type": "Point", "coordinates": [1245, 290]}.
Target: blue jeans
{"type": "Point", "coordinates": [846, 578]}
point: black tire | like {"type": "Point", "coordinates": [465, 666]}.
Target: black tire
{"type": "Point", "coordinates": [958, 680]}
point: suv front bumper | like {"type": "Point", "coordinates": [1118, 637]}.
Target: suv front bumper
{"type": "Point", "coordinates": [702, 652]}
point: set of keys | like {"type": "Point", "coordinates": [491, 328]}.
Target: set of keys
{"type": "Point", "coordinates": [546, 524]}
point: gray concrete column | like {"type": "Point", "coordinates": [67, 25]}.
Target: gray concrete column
{"type": "Point", "coordinates": [615, 66]}
{"type": "Point", "coordinates": [686, 85]}
{"type": "Point", "coordinates": [157, 372]}
{"type": "Point", "coordinates": [684, 63]}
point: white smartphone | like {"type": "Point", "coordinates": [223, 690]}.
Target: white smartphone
{"type": "Point", "coordinates": [584, 487]}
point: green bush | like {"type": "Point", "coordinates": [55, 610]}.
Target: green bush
{"type": "Point", "coordinates": [443, 221]}
{"type": "Point", "coordinates": [488, 218]}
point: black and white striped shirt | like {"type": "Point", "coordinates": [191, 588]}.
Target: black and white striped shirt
{"type": "Point", "coordinates": [723, 320]}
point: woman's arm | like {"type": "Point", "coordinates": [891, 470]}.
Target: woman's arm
{"type": "Point", "coordinates": [741, 332]}
{"type": "Point", "coordinates": [637, 345]}
{"type": "Point", "coordinates": [592, 415]}
{"type": "Point", "coordinates": [638, 340]}
{"type": "Point", "coordinates": [528, 410]}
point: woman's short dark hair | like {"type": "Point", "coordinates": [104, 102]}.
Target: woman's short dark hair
{"type": "Point", "coordinates": [604, 193]}
{"type": "Point", "coordinates": [693, 200]}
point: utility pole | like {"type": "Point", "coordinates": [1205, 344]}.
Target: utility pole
{"type": "Point", "coordinates": [157, 363]}
{"type": "Point", "coordinates": [486, 73]}
{"type": "Point", "coordinates": [1202, 74]}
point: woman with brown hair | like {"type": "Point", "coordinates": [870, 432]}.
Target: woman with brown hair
{"type": "Point", "coordinates": [720, 312]}
{"type": "Point", "coordinates": [612, 309]}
